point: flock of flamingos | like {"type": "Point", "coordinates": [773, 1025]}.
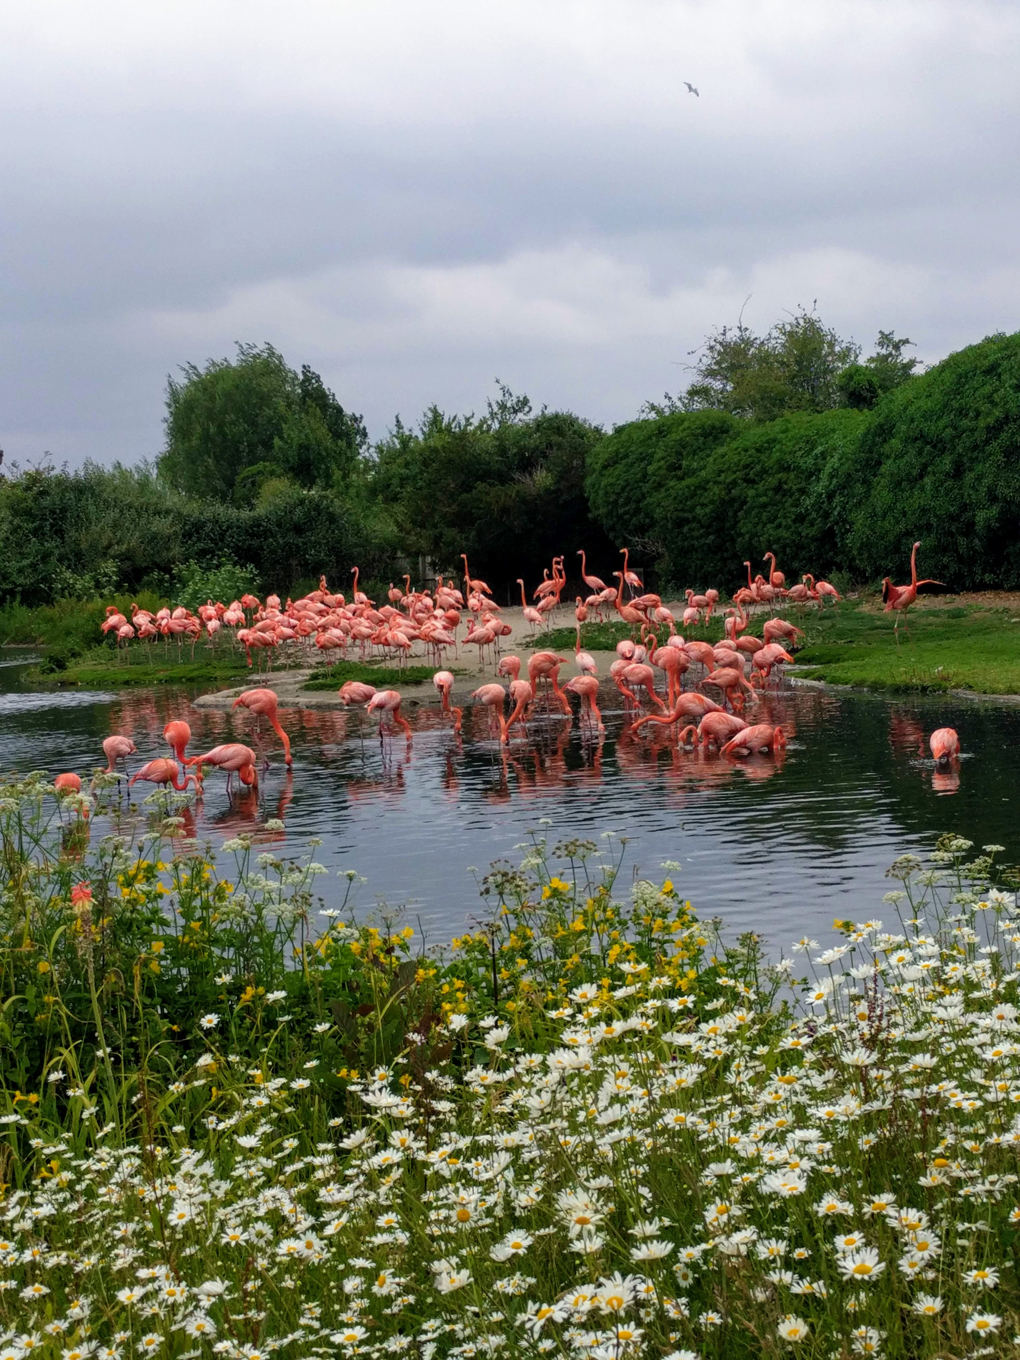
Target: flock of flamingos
{"type": "Point", "coordinates": [736, 669]}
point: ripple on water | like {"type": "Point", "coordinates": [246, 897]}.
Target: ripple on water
{"type": "Point", "coordinates": [28, 702]}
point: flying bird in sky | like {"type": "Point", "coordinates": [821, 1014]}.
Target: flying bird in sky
{"type": "Point", "coordinates": [691, 88]}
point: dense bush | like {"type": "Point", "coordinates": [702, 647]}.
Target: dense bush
{"type": "Point", "coordinates": [637, 464]}
{"type": "Point", "coordinates": [88, 532]}
{"type": "Point", "coordinates": [765, 488]}
{"type": "Point", "coordinates": [507, 489]}
{"type": "Point", "coordinates": [233, 426]}
{"type": "Point", "coordinates": [939, 461]}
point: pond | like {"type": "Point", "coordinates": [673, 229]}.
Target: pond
{"type": "Point", "coordinates": [782, 846]}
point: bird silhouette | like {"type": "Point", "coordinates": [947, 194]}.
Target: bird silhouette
{"type": "Point", "coordinates": [691, 88]}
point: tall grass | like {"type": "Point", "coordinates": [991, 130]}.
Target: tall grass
{"type": "Point", "coordinates": [239, 1122]}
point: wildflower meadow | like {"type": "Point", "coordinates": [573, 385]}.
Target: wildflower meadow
{"type": "Point", "coordinates": [237, 1121]}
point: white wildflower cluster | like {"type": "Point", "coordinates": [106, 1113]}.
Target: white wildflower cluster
{"type": "Point", "coordinates": [686, 1170]}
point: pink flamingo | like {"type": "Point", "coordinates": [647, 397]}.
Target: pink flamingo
{"type": "Point", "coordinates": [631, 577]}
{"type": "Point", "coordinates": [493, 696]}
{"type": "Point", "coordinates": [546, 666]}
{"type": "Point", "coordinates": [587, 688]}
{"type": "Point", "coordinates": [944, 744]}
{"type": "Point", "coordinates": [444, 681]}
{"type": "Point", "coordinates": [780, 628]}
{"type": "Point", "coordinates": [689, 705]}
{"type": "Point", "coordinates": [67, 783]}
{"type": "Point", "coordinates": [522, 693]}
{"type": "Point", "coordinates": [715, 729]}
{"type": "Point", "coordinates": [769, 656]}
{"type": "Point", "coordinates": [823, 589]}
{"type": "Point", "coordinates": [731, 682]}
{"type": "Point", "coordinates": [177, 734]}
{"type": "Point", "coordinates": [389, 701]}
{"type": "Point", "coordinates": [162, 770]}
{"type": "Point", "coordinates": [355, 692]}
{"type": "Point", "coordinates": [117, 748]}
{"type": "Point", "coordinates": [531, 614]}
{"type": "Point", "coordinates": [900, 598]}
{"type": "Point", "coordinates": [263, 703]}
{"type": "Point", "coordinates": [776, 578]}
{"type": "Point", "coordinates": [760, 737]}
{"type": "Point", "coordinates": [592, 582]}
{"type": "Point", "coordinates": [641, 676]}
{"type": "Point", "coordinates": [585, 661]}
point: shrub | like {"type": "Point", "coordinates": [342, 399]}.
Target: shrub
{"type": "Point", "coordinates": [940, 462]}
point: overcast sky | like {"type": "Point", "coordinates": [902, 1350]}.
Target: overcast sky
{"type": "Point", "coordinates": [418, 196]}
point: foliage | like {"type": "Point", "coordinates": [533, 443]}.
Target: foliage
{"type": "Point", "coordinates": [939, 461]}
{"type": "Point", "coordinates": [195, 585]}
{"type": "Point", "coordinates": [793, 367]}
{"type": "Point", "coordinates": [369, 673]}
{"type": "Point", "coordinates": [702, 491]}
{"type": "Point", "coordinates": [61, 530]}
{"type": "Point", "coordinates": [766, 488]}
{"type": "Point", "coordinates": [639, 461]}
{"type": "Point", "coordinates": [233, 425]}
{"type": "Point", "coordinates": [592, 1129]}
{"type": "Point", "coordinates": [506, 488]}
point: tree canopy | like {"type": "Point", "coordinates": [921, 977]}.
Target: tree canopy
{"type": "Point", "coordinates": [507, 488]}
{"type": "Point", "coordinates": [235, 426]}
{"type": "Point", "coordinates": [800, 364]}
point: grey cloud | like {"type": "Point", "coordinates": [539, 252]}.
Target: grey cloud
{"type": "Point", "coordinates": [419, 197]}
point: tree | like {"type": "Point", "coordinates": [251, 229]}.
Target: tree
{"type": "Point", "coordinates": [939, 460]}
{"type": "Point", "coordinates": [861, 385]}
{"type": "Point", "coordinates": [507, 488]}
{"type": "Point", "coordinates": [233, 426]}
{"type": "Point", "coordinates": [794, 367]}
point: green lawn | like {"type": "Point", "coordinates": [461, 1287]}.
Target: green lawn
{"type": "Point", "coordinates": [370, 674]}
{"type": "Point", "coordinates": [953, 648]}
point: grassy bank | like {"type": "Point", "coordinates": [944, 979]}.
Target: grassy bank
{"type": "Point", "coordinates": [236, 1122]}
{"type": "Point", "coordinates": [109, 667]}
{"type": "Point", "coordinates": [370, 673]}
{"type": "Point", "coordinates": [855, 644]}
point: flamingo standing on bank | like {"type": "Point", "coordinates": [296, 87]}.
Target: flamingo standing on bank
{"type": "Point", "coordinates": [944, 744]}
{"type": "Point", "coordinates": [594, 584]}
{"type": "Point", "coordinates": [900, 598]}
{"type": "Point", "coordinates": [628, 612]}
{"type": "Point", "coordinates": [388, 701]}
{"type": "Point", "coordinates": [631, 577]}
{"type": "Point", "coordinates": [263, 703]}
{"type": "Point", "coordinates": [479, 587]}
{"type": "Point", "coordinates": [531, 614]}
{"type": "Point", "coordinates": [777, 579]}
{"type": "Point", "coordinates": [587, 689]}
{"type": "Point", "coordinates": [781, 628]}
{"type": "Point", "coordinates": [443, 681]}
{"type": "Point", "coordinates": [821, 590]}
{"type": "Point", "coordinates": [163, 770]}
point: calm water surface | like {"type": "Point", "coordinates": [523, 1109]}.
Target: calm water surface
{"type": "Point", "coordinates": [780, 846]}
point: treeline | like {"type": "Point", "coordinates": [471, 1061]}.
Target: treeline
{"type": "Point", "coordinates": [787, 441]}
